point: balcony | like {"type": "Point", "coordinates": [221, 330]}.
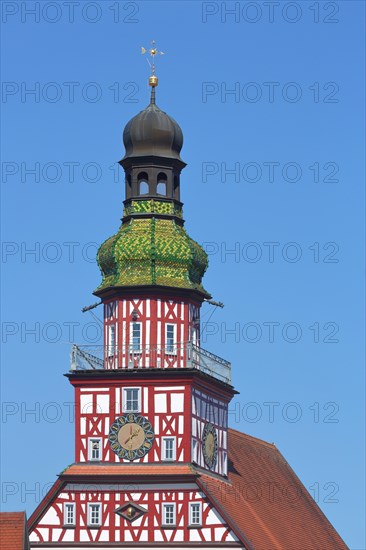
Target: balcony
{"type": "Point", "coordinates": [176, 356]}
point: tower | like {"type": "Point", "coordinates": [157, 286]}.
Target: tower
{"type": "Point", "coordinates": [155, 463]}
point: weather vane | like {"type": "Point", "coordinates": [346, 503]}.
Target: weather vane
{"type": "Point", "coordinates": [153, 52]}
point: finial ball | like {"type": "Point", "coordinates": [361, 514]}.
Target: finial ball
{"type": "Point", "coordinates": [153, 81]}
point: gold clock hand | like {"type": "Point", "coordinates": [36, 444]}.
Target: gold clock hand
{"type": "Point", "coordinates": [135, 433]}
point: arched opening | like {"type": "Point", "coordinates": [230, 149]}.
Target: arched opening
{"type": "Point", "coordinates": [143, 184]}
{"type": "Point", "coordinates": [161, 188]}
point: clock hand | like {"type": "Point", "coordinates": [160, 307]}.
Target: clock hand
{"type": "Point", "coordinates": [134, 434]}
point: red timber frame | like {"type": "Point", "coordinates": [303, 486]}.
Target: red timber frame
{"type": "Point", "coordinates": [154, 311]}
{"type": "Point", "coordinates": [166, 401]}
{"type": "Point", "coordinates": [47, 522]}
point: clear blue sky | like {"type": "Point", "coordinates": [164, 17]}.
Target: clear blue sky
{"type": "Point", "coordinates": [293, 131]}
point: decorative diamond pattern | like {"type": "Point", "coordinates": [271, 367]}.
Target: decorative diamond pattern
{"type": "Point", "coordinates": [130, 511]}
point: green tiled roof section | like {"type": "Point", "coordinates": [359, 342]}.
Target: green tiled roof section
{"type": "Point", "coordinates": [152, 251]}
{"type": "Point", "coordinates": [153, 206]}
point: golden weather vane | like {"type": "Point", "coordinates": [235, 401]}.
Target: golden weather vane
{"type": "Point", "coordinates": [153, 52]}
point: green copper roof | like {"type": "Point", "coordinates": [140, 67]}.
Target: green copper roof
{"type": "Point", "coordinates": [152, 251]}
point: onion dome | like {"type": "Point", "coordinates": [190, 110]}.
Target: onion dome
{"type": "Point", "coordinates": [152, 133]}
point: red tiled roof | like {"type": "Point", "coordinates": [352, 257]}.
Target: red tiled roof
{"type": "Point", "coordinates": [13, 531]}
{"type": "Point", "coordinates": [265, 502]}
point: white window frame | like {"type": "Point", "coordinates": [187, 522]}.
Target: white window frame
{"type": "Point", "coordinates": [191, 522]}
{"type": "Point", "coordinates": [124, 400]}
{"type": "Point", "coordinates": [164, 449]}
{"type": "Point", "coordinates": [90, 504]}
{"type": "Point", "coordinates": [164, 508]}
{"type": "Point", "coordinates": [90, 449]}
{"type": "Point", "coordinates": [171, 348]}
{"type": "Point", "coordinates": [66, 522]}
{"type": "Point", "coordinates": [112, 341]}
{"type": "Point", "coordinates": [138, 348]}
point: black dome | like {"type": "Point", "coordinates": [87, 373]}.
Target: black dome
{"type": "Point", "coordinates": [152, 133]}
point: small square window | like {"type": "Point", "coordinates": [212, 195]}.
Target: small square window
{"type": "Point", "coordinates": [95, 448]}
{"type": "Point", "coordinates": [132, 399]}
{"type": "Point", "coordinates": [94, 515]}
{"type": "Point", "coordinates": [168, 515]}
{"type": "Point", "coordinates": [168, 448]}
{"type": "Point", "coordinates": [195, 516]}
{"type": "Point", "coordinates": [69, 514]}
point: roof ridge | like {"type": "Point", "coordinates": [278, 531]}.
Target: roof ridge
{"type": "Point", "coordinates": [252, 437]}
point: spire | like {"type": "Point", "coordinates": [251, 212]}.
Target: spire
{"type": "Point", "coordinates": [153, 79]}
{"type": "Point", "coordinates": [153, 82]}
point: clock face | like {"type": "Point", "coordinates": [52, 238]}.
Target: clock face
{"type": "Point", "coordinates": [131, 436]}
{"type": "Point", "coordinates": [209, 445]}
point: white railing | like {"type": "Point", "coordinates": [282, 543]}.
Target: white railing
{"type": "Point", "coordinates": [186, 355]}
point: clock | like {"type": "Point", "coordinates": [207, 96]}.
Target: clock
{"type": "Point", "coordinates": [209, 445]}
{"type": "Point", "coordinates": [131, 436]}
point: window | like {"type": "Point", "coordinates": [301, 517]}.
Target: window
{"type": "Point", "coordinates": [94, 515]}
{"type": "Point", "coordinates": [161, 188]}
{"type": "Point", "coordinates": [144, 188]}
{"type": "Point", "coordinates": [161, 185]}
{"type": "Point", "coordinates": [111, 340]}
{"type": "Point", "coordinates": [168, 448]}
{"type": "Point", "coordinates": [131, 399]}
{"type": "Point", "coordinates": [195, 513]}
{"type": "Point", "coordinates": [69, 514]}
{"type": "Point", "coordinates": [143, 184]}
{"type": "Point", "coordinates": [168, 514]}
{"type": "Point", "coordinates": [95, 445]}
{"type": "Point", "coordinates": [136, 336]}
{"type": "Point", "coordinates": [170, 338]}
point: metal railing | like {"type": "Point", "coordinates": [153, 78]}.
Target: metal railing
{"type": "Point", "coordinates": [177, 356]}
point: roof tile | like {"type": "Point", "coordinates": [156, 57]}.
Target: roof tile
{"type": "Point", "coordinates": [267, 504]}
{"type": "Point", "coordinates": [12, 531]}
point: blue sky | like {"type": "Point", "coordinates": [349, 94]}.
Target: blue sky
{"type": "Point", "coordinates": [270, 100]}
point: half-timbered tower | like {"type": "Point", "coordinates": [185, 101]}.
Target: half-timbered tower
{"type": "Point", "coordinates": [155, 464]}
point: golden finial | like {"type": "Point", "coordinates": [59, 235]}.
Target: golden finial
{"type": "Point", "coordinates": [153, 52]}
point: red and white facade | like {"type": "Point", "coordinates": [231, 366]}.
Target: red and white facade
{"type": "Point", "coordinates": [148, 528]}
{"type": "Point", "coordinates": [153, 331]}
{"type": "Point", "coordinates": [151, 405]}
{"type": "Point", "coordinates": [154, 372]}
